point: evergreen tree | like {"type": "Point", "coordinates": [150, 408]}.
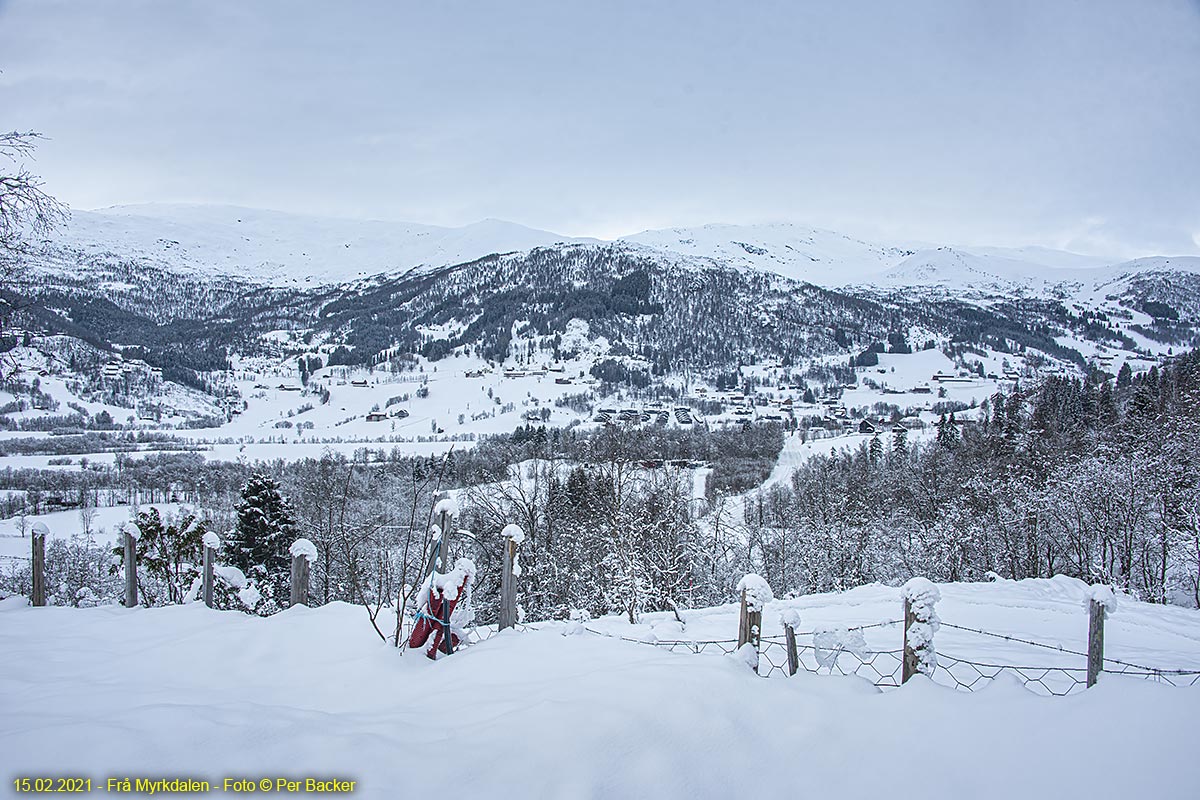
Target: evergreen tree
{"type": "Point", "coordinates": [1124, 376]}
{"type": "Point", "coordinates": [947, 431]}
{"type": "Point", "coordinates": [265, 530]}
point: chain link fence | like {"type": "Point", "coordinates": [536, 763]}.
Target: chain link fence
{"type": "Point", "coordinates": [884, 667]}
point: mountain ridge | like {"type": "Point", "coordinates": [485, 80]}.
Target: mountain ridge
{"type": "Point", "coordinates": [283, 248]}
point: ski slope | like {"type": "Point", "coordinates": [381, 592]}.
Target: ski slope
{"type": "Point", "coordinates": [185, 691]}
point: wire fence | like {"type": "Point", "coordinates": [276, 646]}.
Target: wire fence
{"type": "Point", "coordinates": [884, 667]}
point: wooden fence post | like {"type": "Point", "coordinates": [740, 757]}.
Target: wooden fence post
{"type": "Point", "coordinates": [303, 553]}
{"type": "Point", "coordinates": [743, 622]}
{"type": "Point", "coordinates": [40, 531]}
{"type": "Point", "coordinates": [756, 593]}
{"type": "Point", "coordinates": [443, 510]}
{"type": "Point", "coordinates": [211, 543]}
{"type": "Point", "coordinates": [793, 656]}
{"type": "Point", "coordinates": [920, 623]}
{"type": "Point", "coordinates": [790, 620]}
{"type": "Point", "coordinates": [130, 560]}
{"type": "Point", "coordinates": [910, 656]}
{"type": "Point", "coordinates": [506, 617]}
{"type": "Point", "coordinates": [1100, 603]}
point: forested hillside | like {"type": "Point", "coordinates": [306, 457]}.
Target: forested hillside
{"type": "Point", "coordinates": [1093, 478]}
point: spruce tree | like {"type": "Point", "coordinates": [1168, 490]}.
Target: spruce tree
{"type": "Point", "coordinates": [265, 530]}
{"type": "Point", "coordinates": [1124, 376]}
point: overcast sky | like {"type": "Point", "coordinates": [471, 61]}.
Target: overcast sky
{"type": "Point", "coordinates": [1071, 124]}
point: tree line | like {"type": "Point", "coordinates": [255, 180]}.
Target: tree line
{"type": "Point", "coordinates": [1093, 478]}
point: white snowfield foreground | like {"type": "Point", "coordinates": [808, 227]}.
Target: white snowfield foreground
{"type": "Point", "coordinates": [188, 692]}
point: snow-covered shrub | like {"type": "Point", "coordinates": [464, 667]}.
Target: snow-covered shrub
{"type": "Point", "coordinates": [747, 655]}
{"type": "Point", "coordinates": [169, 552]}
{"type": "Point", "coordinates": [231, 590]}
{"type": "Point", "coordinates": [454, 585]}
{"type": "Point", "coordinates": [77, 574]}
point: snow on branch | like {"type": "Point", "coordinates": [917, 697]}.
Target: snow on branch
{"type": "Point", "coordinates": [231, 576]}
{"type": "Point", "coordinates": [304, 547]}
{"type": "Point", "coordinates": [462, 576]}
{"type": "Point", "coordinates": [758, 591]}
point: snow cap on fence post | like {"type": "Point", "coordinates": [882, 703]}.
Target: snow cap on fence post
{"type": "Point", "coordinates": [447, 505]}
{"type": "Point", "coordinates": [513, 532]}
{"type": "Point", "coordinates": [790, 618]}
{"type": "Point", "coordinates": [212, 540]}
{"type": "Point", "coordinates": [758, 591]}
{"type": "Point", "coordinates": [920, 624]}
{"type": "Point", "coordinates": [1103, 596]}
{"type": "Point", "coordinates": [304, 547]}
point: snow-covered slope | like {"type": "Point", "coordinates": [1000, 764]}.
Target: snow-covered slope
{"type": "Point", "coordinates": [991, 268]}
{"type": "Point", "coordinates": [282, 248]}
{"type": "Point", "coordinates": [808, 254]}
{"type": "Point", "coordinates": [185, 691]}
{"type": "Point", "coordinates": [279, 248]}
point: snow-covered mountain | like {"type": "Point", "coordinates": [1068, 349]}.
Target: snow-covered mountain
{"type": "Point", "coordinates": [187, 290]}
{"type": "Point", "coordinates": [816, 256]}
{"type": "Point", "coordinates": [284, 249]}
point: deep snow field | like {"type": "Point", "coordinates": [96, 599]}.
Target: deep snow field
{"type": "Point", "coordinates": [188, 692]}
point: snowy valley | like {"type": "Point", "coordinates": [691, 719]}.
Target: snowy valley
{"type": "Point", "coordinates": [655, 417]}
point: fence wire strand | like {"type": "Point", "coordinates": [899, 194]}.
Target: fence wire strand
{"type": "Point", "coordinates": [884, 668]}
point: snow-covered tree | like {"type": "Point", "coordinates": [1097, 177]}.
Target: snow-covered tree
{"type": "Point", "coordinates": [258, 544]}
